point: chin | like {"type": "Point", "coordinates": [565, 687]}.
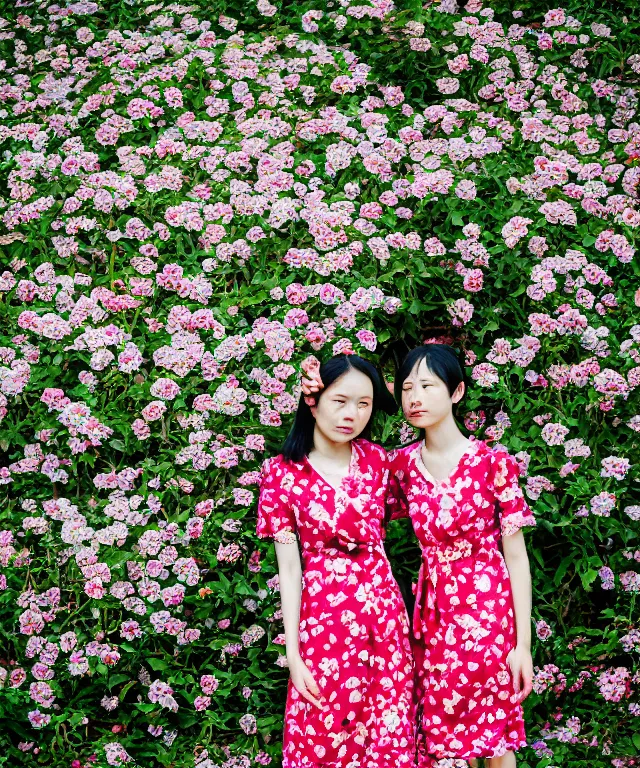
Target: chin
{"type": "Point", "coordinates": [421, 423]}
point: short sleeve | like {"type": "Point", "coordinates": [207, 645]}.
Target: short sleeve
{"type": "Point", "coordinates": [396, 506]}
{"type": "Point", "coordinates": [513, 509]}
{"type": "Point", "coordinates": [276, 519]}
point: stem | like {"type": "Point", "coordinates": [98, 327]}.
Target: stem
{"type": "Point", "coordinates": [71, 615]}
{"type": "Point", "coordinates": [135, 320]}
{"type": "Point", "coordinates": [112, 264]}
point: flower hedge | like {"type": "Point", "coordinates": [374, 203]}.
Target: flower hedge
{"type": "Point", "coordinates": [195, 197]}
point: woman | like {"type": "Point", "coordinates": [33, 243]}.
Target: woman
{"type": "Point", "coordinates": [472, 619]}
{"type": "Point", "coordinates": [350, 696]}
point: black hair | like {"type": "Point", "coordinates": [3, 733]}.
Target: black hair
{"type": "Point", "coordinates": [299, 441]}
{"type": "Point", "coordinates": [441, 359]}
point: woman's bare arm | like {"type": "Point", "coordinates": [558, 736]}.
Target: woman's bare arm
{"type": "Point", "coordinates": [517, 560]}
{"type": "Point", "coordinates": [290, 571]}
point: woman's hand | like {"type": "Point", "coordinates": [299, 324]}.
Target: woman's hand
{"type": "Point", "coordinates": [521, 665]}
{"type": "Point", "coordinates": [303, 681]}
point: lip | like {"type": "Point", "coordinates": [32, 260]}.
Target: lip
{"type": "Point", "coordinates": [417, 414]}
{"type": "Point", "coordinates": [345, 430]}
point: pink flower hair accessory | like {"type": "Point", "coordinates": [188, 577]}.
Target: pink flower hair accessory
{"type": "Point", "coordinates": [312, 382]}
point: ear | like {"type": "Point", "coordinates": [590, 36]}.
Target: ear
{"type": "Point", "coordinates": [314, 409]}
{"type": "Point", "coordinates": [458, 393]}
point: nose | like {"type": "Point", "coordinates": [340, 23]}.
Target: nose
{"type": "Point", "coordinates": [350, 413]}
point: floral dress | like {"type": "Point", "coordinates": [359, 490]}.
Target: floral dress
{"type": "Point", "coordinates": [464, 623]}
{"type": "Point", "coordinates": [354, 629]}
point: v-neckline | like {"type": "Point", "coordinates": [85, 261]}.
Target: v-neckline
{"type": "Point", "coordinates": [352, 464]}
{"type": "Point", "coordinates": [472, 447]}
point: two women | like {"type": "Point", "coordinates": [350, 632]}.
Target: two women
{"type": "Point", "coordinates": [351, 695]}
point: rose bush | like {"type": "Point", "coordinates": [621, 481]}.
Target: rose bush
{"type": "Point", "coordinates": [192, 203]}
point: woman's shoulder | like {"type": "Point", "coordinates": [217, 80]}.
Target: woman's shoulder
{"type": "Point", "coordinates": [403, 452]}
{"type": "Point", "coordinates": [401, 458]}
{"type": "Point", "coordinates": [278, 465]}
{"type": "Point", "coordinates": [500, 461]}
{"type": "Point", "coordinates": [369, 450]}
{"type": "Point", "coordinates": [495, 452]}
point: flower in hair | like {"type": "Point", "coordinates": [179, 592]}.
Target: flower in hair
{"type": "Point", "coordinates": [312, 382]}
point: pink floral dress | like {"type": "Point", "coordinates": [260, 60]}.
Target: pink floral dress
{"type": "Point", "coordinates": [354, 628]}
{"type": "Point", "coordinates": [464, 623]}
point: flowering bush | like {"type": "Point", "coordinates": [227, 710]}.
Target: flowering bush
{"type": "Point", "coordinates": [195, 202]}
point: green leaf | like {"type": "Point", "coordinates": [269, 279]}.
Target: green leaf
{"type": "Point", "coordinates": [157, 665]}
{"type": "Point", "coordinates": [588, 578]}
{"type": "Point", "coordinates": [562, 569]}
{"type": "Point", "coordinates": [117, 679]}
{"type": "Point", "coordinates": [145, 707]}
{"type": "Point", "coordinates": [125, 688]}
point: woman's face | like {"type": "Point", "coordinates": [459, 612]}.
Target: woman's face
{"type": "Point", "coordinates": [425, 398]}
{"type": "Point", "coordinates": [344, 408]}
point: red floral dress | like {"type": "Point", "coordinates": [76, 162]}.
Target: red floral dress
{"type": "Point", "coordinates": [464, 623]}
{"type": "Point", "coordinates": [354, 628]}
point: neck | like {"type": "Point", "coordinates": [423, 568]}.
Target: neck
{"type": "Point", "coordinates": [328, 449]}
{"type": "Point", "coordinates": [443, 436]}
